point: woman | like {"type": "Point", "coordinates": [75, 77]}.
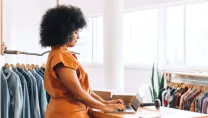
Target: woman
{"type": "Point", "coordinates": [65, 79]}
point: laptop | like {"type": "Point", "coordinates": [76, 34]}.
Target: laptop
{"type": "Point", "coordinates": [131, 109]}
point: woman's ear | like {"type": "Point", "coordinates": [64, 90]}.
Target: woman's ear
{"type": "Point", "coordinates": [70, 36]}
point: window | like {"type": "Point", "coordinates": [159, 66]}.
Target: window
{"type": "Point", "coordinates": [140, 36]}
{"type": "Point", "coordinates": [98, 39]}
{"type": "Point", "coordinates": [186, 33]}
{"type": "Point", "coordinates": [174, 35]}
{"type": "Point", "coordinates": [90, 44]}
{"type": "Point", "coordinates": [84, 44]}
{"type": "Point", "coordinates": [196, 32]}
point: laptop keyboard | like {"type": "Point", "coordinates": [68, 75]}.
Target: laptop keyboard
{"type": "Point", "coordinates": [128, 107]}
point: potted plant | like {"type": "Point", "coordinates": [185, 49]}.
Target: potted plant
{"type": "Point", "coordinates": [160, 81]}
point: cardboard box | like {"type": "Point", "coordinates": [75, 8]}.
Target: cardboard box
{"type": "Point", "coordinates": [128, 99]}
{"type": "Point", "coordinates": [110, 95]}
{"type": "Point", "coordinates": [106, 95]}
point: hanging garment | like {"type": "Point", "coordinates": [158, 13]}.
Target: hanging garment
{"type": "Point", "coordinates": [160, 94]}
{"type": "Point", "coordinates": [182, 98]}
{"type": "Point", "coordinates": [205, 105]}
{"type": "Point", "coordinates": [5, 98]}
{"type": "Point", "coordinates": [189, 100]}
{"type": "Point", "coordinates": [177, 97]}
{"type": "Point", "coordinates": [185, 100]}
{"type": "Point", "coordinates": [26, 102]}
{"type": "Point", "coordinates": [167, 97]}
{"type": "Point", "coordinates": [200, 101]}
{"type": "Point", "coordinates": [38, 71]}
{"type": "Point", "coordinates": [30, 90]}
{"type": "Point", "coordinates": [15, 92]}
{"type": "Point", "coordinates": [35, 94]}
{"type": "Point", "coordinates": [192, 108]}
{"type": "Point", "coordinates": [163, 96]}
{"type": "Point", "coordinates": [41, 93]}
{"type": "Point", "coordinates": [171, 97]}
{"type": "Point", "coordinates": [41, 72]}
{"type": "Point", "coordinates": [62, 103]}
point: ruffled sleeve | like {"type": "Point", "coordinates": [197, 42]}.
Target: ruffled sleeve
{"type": "Point", "coordinates": [66, 58]}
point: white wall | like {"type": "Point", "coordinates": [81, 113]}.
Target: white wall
{"type": "Point", "coordinates": [21, 32]}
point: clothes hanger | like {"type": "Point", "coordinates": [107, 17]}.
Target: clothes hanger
{"type": "Point", "coordinates": [170, 84]}
{"type": "Point", "coordinates": [183, 86]}
{"type": "Point", "coordinates": [18, 65]}
{"type": "Point", "coordinates": [6, 65]}
{"type": "Point", "coordinates": [175, 85]}
{"type": "Point", "coordinates": [180, 85]}
{"type": "Point", "coordinates": [33, 66]}
{"type": "Point", "coordinates": [12, 65]}
{"type": "Point", "coordinates": [28, 66]}
{"type": "Point", "coordinates": [43, 66]}
{"type": "Point", "coordinates": [23, 66]}
{"type": "Point", "coordinates": [203, 88]}
{"type": "Point", "coordinates": [37, 66]}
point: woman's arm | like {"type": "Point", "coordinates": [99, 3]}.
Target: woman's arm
{"type": "Point", "coordinates": [69, 78]}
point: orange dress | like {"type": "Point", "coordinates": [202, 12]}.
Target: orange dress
{"type": "Point", "coordinates": [62, 103]}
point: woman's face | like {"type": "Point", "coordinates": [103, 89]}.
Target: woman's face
{"type": "Point", "coordinates": [75, 37]}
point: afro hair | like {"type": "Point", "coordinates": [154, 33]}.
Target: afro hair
{"type": "Point", "coordinates": [58, 24]}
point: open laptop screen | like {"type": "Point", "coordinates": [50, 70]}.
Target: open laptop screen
{"type": "Point", "coordinates": [136, 103]}
{"type": "Point", "coordinates": [139, 96]}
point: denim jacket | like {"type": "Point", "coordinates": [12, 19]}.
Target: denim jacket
{"type": "Point", "coordinates": [5, 98]}
{"type": "Point", "coordinates": [35, 94]}
{"type": "Point", "coordinates": [26, 102]}
{"type": "Point", "coordinates": [15, 92]}
{"type": "Point", "coordinates": [30, 90]}
{"type": "Point", "coordinates": [41, 93]}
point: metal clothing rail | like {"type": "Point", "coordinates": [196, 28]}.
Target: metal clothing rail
{"type": "Point", "coordinates": [29, 53]}
{"type": "Point", "coordinates": [5, 51]}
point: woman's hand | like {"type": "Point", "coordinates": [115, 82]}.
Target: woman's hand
{"type": "Point", "coordinates": [117, 101]}
{"type": "Point", "coordinates": [113, 107]}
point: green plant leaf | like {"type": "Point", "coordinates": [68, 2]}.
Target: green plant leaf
{"type": "Point", "coordinates": [151, 94]}
{"type": "Point", "coordinates": [158, 80]}
{"type": "Point", "coordinates": [162, 82]}
{"type": "Point", "coordinates": [152, 78]}
{"type": "Point", "coordinates": [154, 94]}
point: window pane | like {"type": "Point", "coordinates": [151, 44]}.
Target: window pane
{"type": "Point", "coordinates": [99, 39]}
{"type": "Point", "coordinates": [174, 34]}
{"type": "Point", "coordinates": [140, 36]}
{"type": "Point", "coordinates": [197, 34]}
{"type": "Point", "coordinates": [84, 44]}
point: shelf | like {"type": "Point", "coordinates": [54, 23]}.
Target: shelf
{"type": "Point", "coordinates": [195, 74]}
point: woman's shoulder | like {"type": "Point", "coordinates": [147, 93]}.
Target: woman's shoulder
{"type": "Point", "coordinates": [63, 56]}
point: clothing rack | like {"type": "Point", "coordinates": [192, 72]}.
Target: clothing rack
{"type": "Point", "coordinates": [185, 91]}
